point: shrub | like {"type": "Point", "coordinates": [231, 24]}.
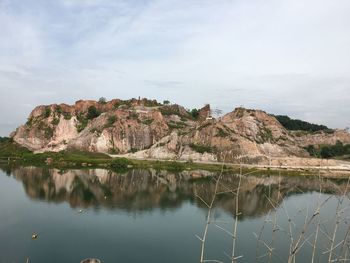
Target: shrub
{"type": "Point", "coordinates": [92, 113]}
{"type": "Point", "coordinates": [166, 102]}
{"type": "Point", "coordinates": [147, 121]}
{"type": "Point", "coordinates": [329, 151]}
{"type": "Point", "coordinates": [110, 121]}
{"type": "Point", "coordinates": [81, 126]}
{"type": "Point", "coordinates": [312, 151]}
{"type": "Point", "coordinates": [133, 150]}
{"type": "Point", "coordinates": [48, 132]}
{"type": "Point", "coordinates": [150, 103]}
{"type": "Point", "coordinates": [266, 135]}
{"type": "Point", "coordinates": [67, 115]}
{"type": "Point", "coordinates": [59, 110]}
{"type": "Point", "coordinates": [194, 113]}
{"type": "Point", "coordinates": [55, 121]}
{"type": "Point", "coordinates": [119, 164]}
{"type": "Point", "coordinates": [102, 100]}
{"type": "Point", "coordinates": [113, 151]}
{"type": "Point", "coordinates": [47, 112]}
{"type": "Point", "coordinates": [82, 122]}
{"type": "Point", "coordinates": [326, 152]}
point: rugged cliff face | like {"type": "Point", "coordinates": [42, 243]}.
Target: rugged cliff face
{"type": "Point", "coordinates": [147, 129]}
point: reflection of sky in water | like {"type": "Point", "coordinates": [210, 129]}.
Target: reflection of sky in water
{"type": "Point", "coordinates": [147, 217]}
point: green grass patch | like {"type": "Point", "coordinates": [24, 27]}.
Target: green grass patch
{"type": "Point", "coordinates": [8, 148]}
{"type": "Point", "coordinates": [79, 159]}
{"type": "Point", "coordinates": [119, 164]}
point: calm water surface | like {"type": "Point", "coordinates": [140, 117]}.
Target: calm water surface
{"type": "Point", "coordinates": [149, 216]}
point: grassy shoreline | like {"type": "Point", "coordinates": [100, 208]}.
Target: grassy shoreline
{"type": "Point", "coordinates": [84, 160]}
{"type": "Point", "coordinates": [15, 154]}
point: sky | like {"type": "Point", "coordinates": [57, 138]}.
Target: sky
{"type": "Point", "coordinates": [283, 56]}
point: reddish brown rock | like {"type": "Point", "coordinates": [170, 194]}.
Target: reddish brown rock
{"type": "Point", "coordinates": [204, 113]}
{"type": "Point", "coordinates": [147, 129]}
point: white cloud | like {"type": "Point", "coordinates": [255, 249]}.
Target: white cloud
{"type": "Point", "coordinates": [288, 56]}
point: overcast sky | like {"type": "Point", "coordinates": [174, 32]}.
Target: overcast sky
{"type": "Point", "coordinates": [283, 56]}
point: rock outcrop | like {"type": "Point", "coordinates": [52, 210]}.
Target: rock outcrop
{"type": "Point", "coordinates": [144, 128]}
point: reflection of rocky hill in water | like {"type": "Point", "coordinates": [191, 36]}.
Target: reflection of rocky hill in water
{"type": "Point", "coordinates": [139, 190]}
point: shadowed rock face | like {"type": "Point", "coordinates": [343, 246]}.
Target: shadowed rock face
{"type": "Point", "coordinates": [139, 190]}
{"type": "Point", "coordinates": [147, 129]}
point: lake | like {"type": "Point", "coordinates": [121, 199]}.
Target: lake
{"type": "Point", "coordinates": [156, 216]}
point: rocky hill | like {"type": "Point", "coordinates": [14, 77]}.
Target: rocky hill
{"type": "Point", "coordinates": [143, 128]}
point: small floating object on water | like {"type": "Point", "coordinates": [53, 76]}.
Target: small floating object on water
{"type": "Point", "coordinates": [35, 236]}
{"type": "Point", "coordinates": [80, 211]}
{"type": "Point", "coordinates": [105, 197]}
{"type": "Point", "coordinates": [91, 260]}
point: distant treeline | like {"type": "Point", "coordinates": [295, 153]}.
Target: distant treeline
{"type": "Point", "coordinates": [329, 151]}
{"type": "Point", "coordinates": [299, 125]}
{"type": "Point", "coordinates": [4, 139]}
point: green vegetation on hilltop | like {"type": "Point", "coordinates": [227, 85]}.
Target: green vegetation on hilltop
{"type": "Point", "coordinates": [194, 113]}
{"type": "Point", "coordinates": [129, 103]}
{"type": "Point", "coordinates": [168, 110]}
{"type": "Point", "coordinates": [47, 112]}
{"type": "Point", "coordinates": [102, 100]}
{"type": "Point", "coordinates": [299, 125]}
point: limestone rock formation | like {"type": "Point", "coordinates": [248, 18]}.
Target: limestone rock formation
{"type": "Point", "coordinates": [143, 128]}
